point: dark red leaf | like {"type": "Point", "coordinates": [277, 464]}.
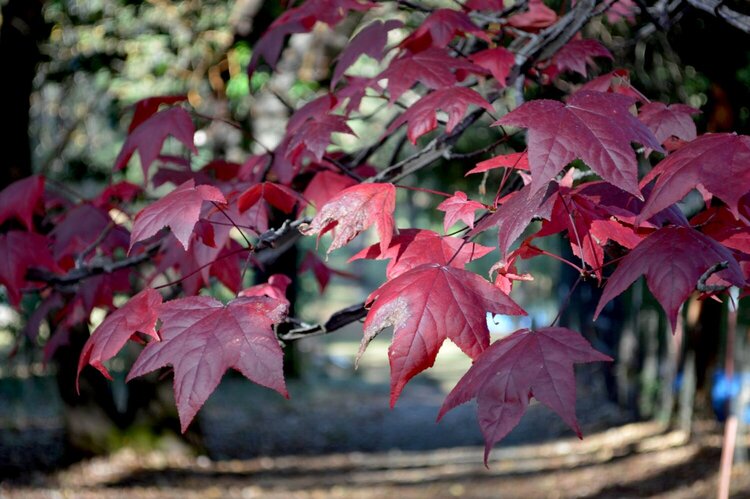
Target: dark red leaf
{"type": "Point", "coordinates": [498, 61]}
{"type": "Point", "coordinates": [526, 364]}
{"type": "Point", "coordinates": [439, 28]}
{"type": "Point", "coordinates": [427, 305]}
{"type": "Point", "coordinates": [432, 68]}
{"type": "Point", "coordinates": [145, 108]}
{"type": "Point", "coordinates": [515, 214]}
{"type": "Point", "coordinates": [21, 251]}
{"type": "Point", "coordinates": [369, 41]}
{"type": "Point", "coordinates": [576, 54]}
{"type": "Point", "coordinates": [595, 127]}
{"type": "Point", "coordinates": [696, 164]}
{"type": "Point", "coordinates": [666, 122]}
{"type": "Point", "coordinates": [179, 210]}
{"type": "Point", "coordinates": [148, 138]}
{"type": "Point", "coordinates": [278, 196]}
{"type": "Point", "coordinates": [422, 115]}
{"type": "Point", "coordinates": [21, 199]}
{"type": "Point", "coordinates": [672, 259]}
{"type": "Point", "coordinates": [301, 20]}
{"type": "Point", "coordinates": [201, 338]}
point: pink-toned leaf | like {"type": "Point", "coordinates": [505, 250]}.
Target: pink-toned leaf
{"type": "Point", "coordinates": [354, 210]}
{"type": "Point", "coordinates": [672, 259]}
{"type": "Point", "coordinates": [537, 17]}
{"type": "Point", "coordinates": [138, 315]}
{"type": "Point", "coordinates": [320, 270]}
{"type": "Point", "coordinates": [201, 338]}
{"type": "Point", "coordinates": [427, 305]}
{"type": "Point", "coordinates": [696, 164]}
{"type": "Point", "coordinates": [179, 210]}
{"type": "Point", "coordinates": [414, 247]}
{"type": "Point", "coordinates": [275, 288]}
{"type": "Point", "coordinates": [516, 160]}
{"type": "Point", "coordinates": [459, 207]}
{"type": "Point", "coordinates": [120, 192]}
{"type": "Point", "coordinates": [526, 364]}
{"type": "Point", "coordinates": [594, 127]}
{"type": "Point", "coordinates": [20, 200]}
{"type": "Point", "coordinates": [422, 115]}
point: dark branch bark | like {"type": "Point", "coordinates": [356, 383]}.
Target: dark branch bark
{"type": "Point", "coordinates": [718, 8]}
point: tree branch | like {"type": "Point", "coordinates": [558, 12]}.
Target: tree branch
{"type": "Point", "coordinates": [712, 288]}
{"type": "Point", "coordinates": [719, 9]}
{"type": "Point", "coordinates": [338, 320]}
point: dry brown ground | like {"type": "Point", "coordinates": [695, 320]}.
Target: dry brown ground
{"type": "Point", "coordinates": [637, 460]}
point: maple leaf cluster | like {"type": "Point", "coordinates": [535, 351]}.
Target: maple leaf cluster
{"type": "Point", "coordinates": [578, 174]}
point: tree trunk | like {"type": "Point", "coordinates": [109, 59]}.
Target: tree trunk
{"type": "Point", "coordinates": [23, 28]}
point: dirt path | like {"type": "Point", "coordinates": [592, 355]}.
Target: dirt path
{"type": "Point", "coordinates": [637, 460]}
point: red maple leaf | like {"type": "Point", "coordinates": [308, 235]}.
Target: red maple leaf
{"type": "Point", "coordinates": [278, 196]}
{"type": "Point", "coordinates": [427, 305]}
{"type": "Point", "coordinates": [120, 192]}
{"type": "Point", "coordinates": [21, 199]}
{"type": "Point", "coordinates": [592, 126]}
{"type": "Point", "coordinates": [315, 136]}
{"type": "Point", "coordinates": [145, 108]}
{"type": "Point", "coordinates": [301, 20]}
{"type": "Point", "coordinates": [414, 247]}
{"type": "Point", "coordinates": [695, 164]}
{"type": "Point", "coordinates": [577, 54]}
{"type": "Point", "coordinates": [201, 338]}
{"type": "Point", "coordinates": [369, 41]}
{"type": "Point", "coordinates": [439, 28]}
{"type": "Point", "coordinates": [514, 215]}
{"type": "Point", "coordinates": [618, 82]}
{"type": "Point", "coordinates": [422, 115]}
{"type": "Point", "coordinates": [80, 227]}
{"type": "Point", "coordinates": [672, 259]}
{"type": "Point", "coordinates": [538, 16]}
{"type": "Point", "coordinates": [138, 315]}
{"type": "Point", "coordinates": [324, 186]}
{"type": "Point", "coordinates": [148, 138]}
{"type": "Point", "coordinates": [179, 210]}
{"type": "Point", "coordinates": [21, 251]}
{"type": "Point", "coordinates": [432, 68]}
{"type": "Point", "coordinates": [516, 160]}
{"type": "Point", "coordinates": [320, 270]}
{"type": "Point", "coordinates": [354, 210]}
{"type": "Point", "coordinates": [526, 364]}
{"type": "Point", "coordinates": [485, 4]}
{"type": "Point", "coordinates": [498, 61]}
{"type": "Point", "coordinates": [459, 207]}
{"type": "Point", "coordinates": [669, 121]}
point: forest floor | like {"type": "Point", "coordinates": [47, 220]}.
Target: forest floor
{"type": "Point", "coordinates": [336, 437]}
{"type": "Point", "coordinates": [635, 460]}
